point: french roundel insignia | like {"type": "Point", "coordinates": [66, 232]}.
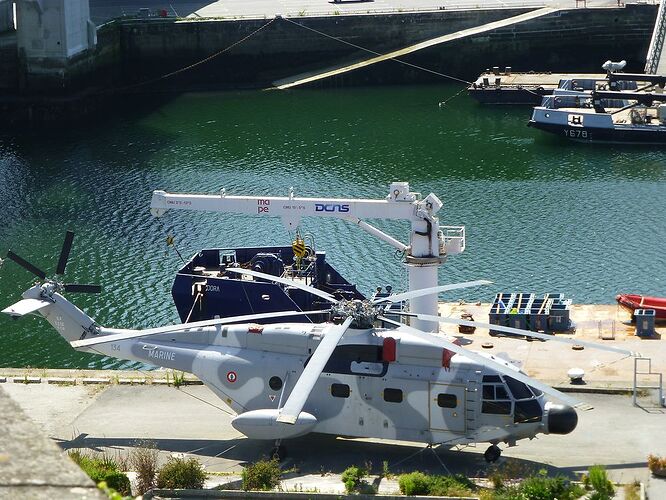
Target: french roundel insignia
{"type": "Point", "coordinates": [231, 377]}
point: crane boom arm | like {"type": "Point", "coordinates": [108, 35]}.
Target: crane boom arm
{"type": "Point", "coordinates": [399, 205]}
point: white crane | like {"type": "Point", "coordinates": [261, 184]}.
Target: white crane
{"type": "Point", "coordinates": [429, 243]}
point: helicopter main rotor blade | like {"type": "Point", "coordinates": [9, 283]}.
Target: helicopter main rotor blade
{"type": "Point", "coordinates": [430, 291]}
{"type": "Point", "coordinates": [64, 253]}
{"type": "Point", "coordinates": [77, 288]}
{"type": "Point", "coordinates": [521, 332]}
{"type": "Point", "coordinates": [118, 334]}
{"type": "Point", "coordinates": [284, 281]}
{"type": "Point", "coordinates": [26, 265]}
{"type": "Point", "coordinates": [306, 382]}
{"type": "Point", "coordinates": [489, 362]}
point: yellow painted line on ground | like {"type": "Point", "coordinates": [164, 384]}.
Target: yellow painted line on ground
{"type": "Point", "coordinates": [312, 77]}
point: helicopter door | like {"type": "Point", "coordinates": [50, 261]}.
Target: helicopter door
{"type": "Point", "coordinates": [447, 407]}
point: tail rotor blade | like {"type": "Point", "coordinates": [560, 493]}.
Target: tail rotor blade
{"type": "Point", "coordinates": [64, 253]}
{"type": "Point", "coordinates": [76, 288]}
{"type": "Point", "coordinates": [26, 265]}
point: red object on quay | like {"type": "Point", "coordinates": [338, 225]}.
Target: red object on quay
{"type": "Point", "coordinates": [632, 302]}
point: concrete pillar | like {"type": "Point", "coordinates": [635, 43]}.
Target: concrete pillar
{"type": "Point", "coordinates": [49, 34]}
{"type": "Point", "coordinates": [53, 28]}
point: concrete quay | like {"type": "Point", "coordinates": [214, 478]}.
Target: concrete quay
{"type": "Point", "coordinates": [550, 361]}
{"type": "Point", "coordinates": [102, 11]}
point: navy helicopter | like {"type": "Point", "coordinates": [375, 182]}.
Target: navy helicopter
{"type": "Point", "coordinates": [342, 377]}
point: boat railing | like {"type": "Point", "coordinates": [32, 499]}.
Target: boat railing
{"type": "Point", "coordinates": [642, 373]}
{"type": "Point", "coordinates": [305, 274]}
{"type": "Point", "coordinates": [453, 240]}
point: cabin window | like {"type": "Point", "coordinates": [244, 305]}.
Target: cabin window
{"type": "Point", "coordinates": [393, 395]}
{"type": "Point", "coordinates": [275, 383]}
{"type": "Point", "coordinates": [496, 407]}
{"type": "Point", "coordinates": [340, 390]}
{"type": "Point", "coordinates": [447, 400]}
{"type": "Point", "coordinates": [496, 399]}
{"type": "Point", "coordinates": [500, 392]}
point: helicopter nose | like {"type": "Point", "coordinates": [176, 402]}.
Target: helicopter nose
{"type": "Point", "coordinates": [562, 419]}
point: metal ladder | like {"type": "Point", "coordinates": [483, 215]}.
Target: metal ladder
{"type": "Point", "coordinates": [659, 386]}
{"type": "Point", "coordinates": [472, 393]}
{"type": "Point", "coordinates": [657, 41]}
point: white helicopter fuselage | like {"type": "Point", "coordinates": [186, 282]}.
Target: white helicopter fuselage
{"type": "Point", "coordinates": [376, 383]}
{"type": "Point", "coordinates": [410, 398]}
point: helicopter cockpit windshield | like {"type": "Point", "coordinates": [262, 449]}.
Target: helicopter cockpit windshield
{"type": "Point", "coordinates": [501, 395]}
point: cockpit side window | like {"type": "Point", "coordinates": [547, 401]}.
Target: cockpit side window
{"type": "Point", "coordinates": [518, 389]}
{"type": "Point", "coordinates": [528, 411]}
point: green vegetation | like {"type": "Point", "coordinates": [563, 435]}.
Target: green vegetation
{"type": "Point", "coordinates": [353, 477]}
{"type": "Point", "coordinates": [102, 469]}
{"type": "Point", "coordinates": [143, 460]}
{"type": "Point", "coordinates": [178, 378]}
{"type": "Point", "coordinates": [181, 473]}
{"type": "Point", "coordinates": [417, 483]}
{"type": "Point", "coordinates": [597, 480]}
{"type": "Point", "coordinates": [110, 492]}
{"type": "Point", "coordinates": [262, 475]}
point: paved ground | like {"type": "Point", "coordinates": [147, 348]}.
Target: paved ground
{"type": "Point", "coordinates": [103, 10]}
{"type": "Point", "coordinates": [191, 420]}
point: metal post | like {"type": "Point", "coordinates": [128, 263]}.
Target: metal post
{"type": "Point", "coordinates": [635, 372]}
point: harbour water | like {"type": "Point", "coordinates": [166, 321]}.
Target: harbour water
{"type": "Point", "coordinates": [542, 214]}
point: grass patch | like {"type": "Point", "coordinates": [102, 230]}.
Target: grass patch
{"type": "Point", "coordinates": [181, 473]}
{"type": "Point", "coordinates": [418, 483]}
{"type": "Point", "coordinates": [102, 469]}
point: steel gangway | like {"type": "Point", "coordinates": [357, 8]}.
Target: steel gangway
{"type": "Point", "coordinates": [654, 63]}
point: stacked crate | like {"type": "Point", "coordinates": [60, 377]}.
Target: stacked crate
{"type": "Point", "coordinates": [526, 311]}
{"type": "Point", "coordinates": [560, 315]}
{"type": "Point", "coordinates": [500, 309]}
{"type": "Point", "coordinates": [519, 315]}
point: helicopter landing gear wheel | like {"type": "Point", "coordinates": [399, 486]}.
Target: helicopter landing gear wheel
{"type": "Point", "coordinates": [492, 454]}
{"type": "Point", "coordinates": [279, 452]}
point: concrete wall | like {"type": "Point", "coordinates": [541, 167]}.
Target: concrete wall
{"type": "Point", "coordinates": [6, 16]}
{"type": "Point", "coordinates": [572, 40]}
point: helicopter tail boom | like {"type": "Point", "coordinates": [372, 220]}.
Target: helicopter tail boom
{"type": "Point", "coordinates": [70, 321]}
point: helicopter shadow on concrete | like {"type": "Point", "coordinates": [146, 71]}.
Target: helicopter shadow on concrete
{"type": "Point", "coordinates": [322, 454]}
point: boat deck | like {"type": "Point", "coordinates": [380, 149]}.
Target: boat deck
{"type": "Point", "coordinates": [546, 80]}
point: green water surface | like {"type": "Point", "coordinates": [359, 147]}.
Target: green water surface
{"type": "Point", "coordinates": [541, 214]}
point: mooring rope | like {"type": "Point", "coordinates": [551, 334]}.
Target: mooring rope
{"type": "Point", "coordinates": [411, 65]}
